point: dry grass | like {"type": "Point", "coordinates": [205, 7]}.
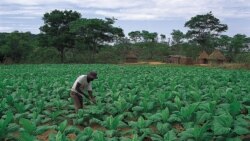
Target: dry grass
{"type": "Point", "coordinates": [225, 65]}
{"type": "Point", "coordinates": [235, 66]}
{"type": "Point", "coordinates": [148, 62]}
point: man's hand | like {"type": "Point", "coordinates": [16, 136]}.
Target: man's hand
{"type": "Point", "coordinates": [93, 99]}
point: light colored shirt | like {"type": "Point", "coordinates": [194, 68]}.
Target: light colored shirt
{"type": "Point", "coordinates": [82, 79]}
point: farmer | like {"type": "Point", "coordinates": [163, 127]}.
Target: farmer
{"type": "Point", "coordinates": [81, 85]}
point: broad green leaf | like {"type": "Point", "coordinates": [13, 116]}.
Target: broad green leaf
{"type": "Point", "coordinates": [28, 126]}
{"type": "Point", "coordinates": [202, 116]}
{"type": "Point", "coordinates": [137, 108]}
{"type": "Point", "coordinates": [12, 127]}
{"type": "Point", "coordinates": [222, 124]}
{"type": "Point", "coordinates": [112, 122]}
{"type": "Point", "coordinates": [188, 111]}
{"type": "Point", "coordinates": [72, 129]}
{"type": "Point", "coordinates": [62, 126]}
{"type": "Point", "coordinates": [98, 136]}
{"type": "Point", "coordinates": [170, 136]}
{"type": "Point", "coordinates": [59, 136]}
{"type": "Point", "coordinates": [165, 114]}
{"type": "Point", "coordinates": [88, 131]}
{"type": "Point", "coordinates": [43, 128]}
{"type": "Point", "coordinates": [177, 101]}
{"type": "Point", "coordinates": [234, 139]}
{"type": "Point", "coordinates": [174, 118]}
{"type": "Point", "coordinates": [241, 130]}
{"type": "Point", "coordinates": [235, 108]}
{"type": "Point", "coordinates": [26, 137]}
{"type": "Point", "coordinates": [163, 127]}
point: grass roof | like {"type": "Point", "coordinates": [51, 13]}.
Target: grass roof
{"type": "Point", "coordinates": [217, 55]}
{"type": "Point", "coordinates": [203, 55]}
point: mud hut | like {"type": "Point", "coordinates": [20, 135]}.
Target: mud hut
{"type": "Point", "coordinates": [8, 60]}
{"type": "Point", "coordinates": [179, 59]}
{"type": "Point", "coordinates": [174, 59]}
{"type": "Point", "coordinates": [203, 58]}
{"type": "Point", "coordinates": [131, 58]}
{"type": "Point", "coordinates": [217, 57]}
{"type": "Point", "coordinates": [186, 60]}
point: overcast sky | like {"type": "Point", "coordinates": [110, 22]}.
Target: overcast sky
{"type": "Point", "coordinates": [161, 16]}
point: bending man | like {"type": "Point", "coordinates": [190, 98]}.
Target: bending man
{"type": "Point", "coordinates": [82, 84]}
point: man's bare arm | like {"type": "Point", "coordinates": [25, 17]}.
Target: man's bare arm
{"type": "Point", "coordinates": [91, 96]}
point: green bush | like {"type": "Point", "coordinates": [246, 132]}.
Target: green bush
{"type": "Point", "coordinates": [243, 58]}
{"type": "Point", "coordinates": [77, 56]}
{"type": "Point", "coordinates": [108, 56]}
{"type": "Point", "coordinates": [43, 55]}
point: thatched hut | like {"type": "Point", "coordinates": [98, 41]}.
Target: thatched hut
{"type": "Point", "coordinates": [186, 60]}
{"type": "Point", "coordinates": [174, 59]}
{"type": "Point", "coordinates": [203, 58]}
{"type": "Point", "coordinates": [131, 58]}
{"type": "Point", "coordinates": [179, 59]}
{"type": "Point", "coordinates": [8, 60]}
{"type": "Point", "coordinates": [217, 57]}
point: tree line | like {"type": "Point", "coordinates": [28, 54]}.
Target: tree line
{"type": "Point", "coordinates": [66, 34]}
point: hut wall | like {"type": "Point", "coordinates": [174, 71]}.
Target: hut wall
{"type": "Point", "coordinates": [186, 60]}
{"type": "Point", "coordinates": [131, 60]}
{"type": "Point", "coordinates": [216, 61]}
{"type": "Point", "coordinates": [203, 61]}
{"type": "Point", "coordinates": [175, 60]}
{"type": "Point", "coordinates": [167, 59]}
{"type": "Point", "coordinates": [8, 60]}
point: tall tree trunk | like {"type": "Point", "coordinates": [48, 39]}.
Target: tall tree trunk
{"type": "Point", "coordinates": [62, 55]}
{"type": "Point", "coordinates": [93, 54]}
{"type": "Point", "coordinates": [89, 55]}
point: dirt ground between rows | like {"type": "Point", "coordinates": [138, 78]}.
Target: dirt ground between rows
{"type": "Point", "coordinates": [72, 137]}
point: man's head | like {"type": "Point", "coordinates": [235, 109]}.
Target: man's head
{"type": "Point", "coordinates": [92, 75]}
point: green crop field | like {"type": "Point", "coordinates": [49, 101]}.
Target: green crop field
{"type": "Point", "coordinates": [134, 102]}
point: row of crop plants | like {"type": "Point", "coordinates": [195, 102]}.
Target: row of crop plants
{"type": "Point", "coordinates": [133, 102]}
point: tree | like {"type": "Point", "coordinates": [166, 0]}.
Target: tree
{"type": "Point", "coordinates": [56, 29]}
{"type": "Point", "coordinates": [203, 28]}
{"type": "Point", "coordinates": [149, 37]}
{"type": "Point", "coordinates": [150, 40]}
{"type": "Point", "coordinates": [163, 38]}
{"type": "Point", "coordinates": [238, 43]}
{"type": "Point", "coordinates": [223, 42]}
{"type": "Point", "coordinates": [2, 46]}
{"type": "Point", "coordinates": [177, 37]}
{"type": "Point", "coordinates": [95, 32]}
{"type": "Point", "coordinates": [135, 36]}
{"type": "Point", "coordinates": [232, 45]}
{"type": "Point", "coordinates": [16, 45]}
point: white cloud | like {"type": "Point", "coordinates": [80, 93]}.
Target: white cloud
{"type": "Point", "coordinates": [127, 16]}
{"type": "Point", "coordinates": [131, 9]}
{"type": "Point", "coordinates": [123, 10]}
{"type": "Point", "coordinates": [31, 2]}
{"type": "Point", "coordinates": [24, 18]}
{"type": "Point", "coordinates": [22, 28]}
{"type": "Point", "coordinates": [108, 4]}
{"type": "Point", "coordinates": [163, 9]}
{"type": "Point", "coordinates": [5, 29]}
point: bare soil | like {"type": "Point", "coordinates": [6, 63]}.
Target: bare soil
{"type": "Point", "coordinates": [97, 127]}
{"type": "Point", "coordinates": [45, 135]}
{"type": "Point", "coordinates": [178, 127]}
